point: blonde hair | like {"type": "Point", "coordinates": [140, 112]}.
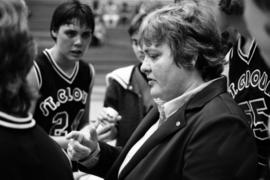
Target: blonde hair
{"type": "Point", "coordinates": [13, 14]}
{"type": "Point", "coordinates": [17, 52]}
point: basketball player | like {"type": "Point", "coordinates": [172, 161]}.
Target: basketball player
{"type": "Point", "coordinates": [26, 153]}
{"type": "Point", "coordinates": [257, 16]}
{"type": "Point", "coordinates": [249, 79]}
{"type": "Point", "coordinates": [127, 92]}
{"type": "Point", "coordinates": [248, 75]}
{"type": "Point", "coordinates": [63, 80]}
{"type": "Point", "coordinates": [249, 86]}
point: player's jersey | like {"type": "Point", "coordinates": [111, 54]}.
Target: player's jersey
{"type": "Point", "coordinates": [63, 98]}
{"type": "Point", "coordinates": [249, 85]}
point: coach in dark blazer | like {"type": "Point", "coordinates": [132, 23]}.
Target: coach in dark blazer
{"type": "Point", "coordinates": [197, 131]}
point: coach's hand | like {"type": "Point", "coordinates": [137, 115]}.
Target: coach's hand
{"type": "Point", "coordinates": [80, 147]}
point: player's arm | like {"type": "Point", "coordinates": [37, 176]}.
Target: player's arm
{"type": "Point", "coordinates": [34, 80]}
{"type": "Point", "coordinates": [34, 83]}
{"type": "Point", "coordinates": [83, 124]}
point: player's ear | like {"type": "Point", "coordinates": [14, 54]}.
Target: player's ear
{"type": "Point", "coordinates": [53, 34]}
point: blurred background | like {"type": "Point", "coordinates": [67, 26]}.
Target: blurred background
{"type": "Point", "coordinates": [110, 48]}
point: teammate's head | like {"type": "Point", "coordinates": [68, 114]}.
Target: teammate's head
{"type": "Point", "coordinates": [225, 11]}
{"type": "Point", "coordinates": [68, 12]}
{"type": "Point", "coordinates": [133, 30]}
{"type": "Point", "coordinates": [264, 5]}
{"type": "Point", "coordinates": [136, 23]}
{"type": "Point", "coordinates": [72, 28]}
{"type": "Point", "coordinates": [232, 7]}
{"type": "Point", "coordinates": [257, 17]}
{"type": "Point", "coordinates": [17, 52]}
{"type": "Point", "coordinates": [229, 7]}
{"type": "Point", "coordinates": [134, 35]}
{"type": "Point", "coordinates": [228, 15]}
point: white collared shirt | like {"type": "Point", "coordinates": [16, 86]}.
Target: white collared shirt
{"type": "Point", "coordinates": [169, 109]}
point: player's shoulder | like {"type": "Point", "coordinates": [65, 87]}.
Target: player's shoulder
{"type": "Point", "coordinates": [85, 65]}
{"type": "Point", "coordinates": [41, 58]}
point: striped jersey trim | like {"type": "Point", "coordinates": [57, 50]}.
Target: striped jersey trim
{"type": "Point", "coordinates": [92, 74]}
{"type": "Point", "coordinates": [13, 122]}
{"type": "Point", "coordinates": [60, 72]}
{"type": "Point", "coordinates": [246, 57]}
{"type": "Point", "coordinates": [38, 75]}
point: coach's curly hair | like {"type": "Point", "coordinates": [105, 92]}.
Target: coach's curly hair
{"type": "Point", "coordinates": [17, 50]}
{"type": "Point", "coordinates": [191, 33]}
{"type": "Point", "coordinates": [230, 7]}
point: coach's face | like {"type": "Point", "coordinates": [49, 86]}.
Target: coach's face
{"type": "Point", "coordinates": [166, 80]}
{"type": "Point", "coordinates": [72, 40]}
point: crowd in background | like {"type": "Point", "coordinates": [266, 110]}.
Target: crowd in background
{"type": "Point", "coordinates": [111, 14]}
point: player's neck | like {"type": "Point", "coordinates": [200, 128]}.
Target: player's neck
{"type": "Point", "coordinates": [66, 65]}
{"type": "Point", "coordinates": [247, 44]}
{"type": "Point", "coordinates": [241, 26]}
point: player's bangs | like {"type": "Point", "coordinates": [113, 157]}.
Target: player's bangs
{"type": "Point", "coordinates": [263, 4]}
{"type": "Point", "coordinates": [78, 16]}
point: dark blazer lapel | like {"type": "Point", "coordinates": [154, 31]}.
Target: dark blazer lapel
{"type": "Point", "coordinates": [207, 94]}
{"type": "Point", "coordinates": [145, 124]}
{"type": "Point", "coordinates": [173, 124]}
{"type": "Point", "coordinates": [170, 126]}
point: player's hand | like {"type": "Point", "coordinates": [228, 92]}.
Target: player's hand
{"type": "Point", "coordinates": [106, 132]}
{"type": "Point", "coordinates": [108, 114]}
{"type": "Point", "coordinates": [80, 146]}
{"type": "Point", "coordinates": [106, 128]}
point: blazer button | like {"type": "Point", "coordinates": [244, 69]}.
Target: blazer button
{"type": "Point", "coordinates": [178, 123]}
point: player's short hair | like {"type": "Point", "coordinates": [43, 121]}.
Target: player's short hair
{"type": "Point", "coordinates": [262, 4]}
{"type": "Point", "coordinates": [232, 7]}
{"type": "Point", "coordinates": [145, 8]}
{"type": "Point", "coordinates": [17, 51]}
{"type": "Point", "coordinates": [229, 7]}
{"type": "Point", "coordinates": [135, 24]}
{"type": "Point", "coordinates": [191, 33]}
{"type": "Point", "coordinates": [66, 12]}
